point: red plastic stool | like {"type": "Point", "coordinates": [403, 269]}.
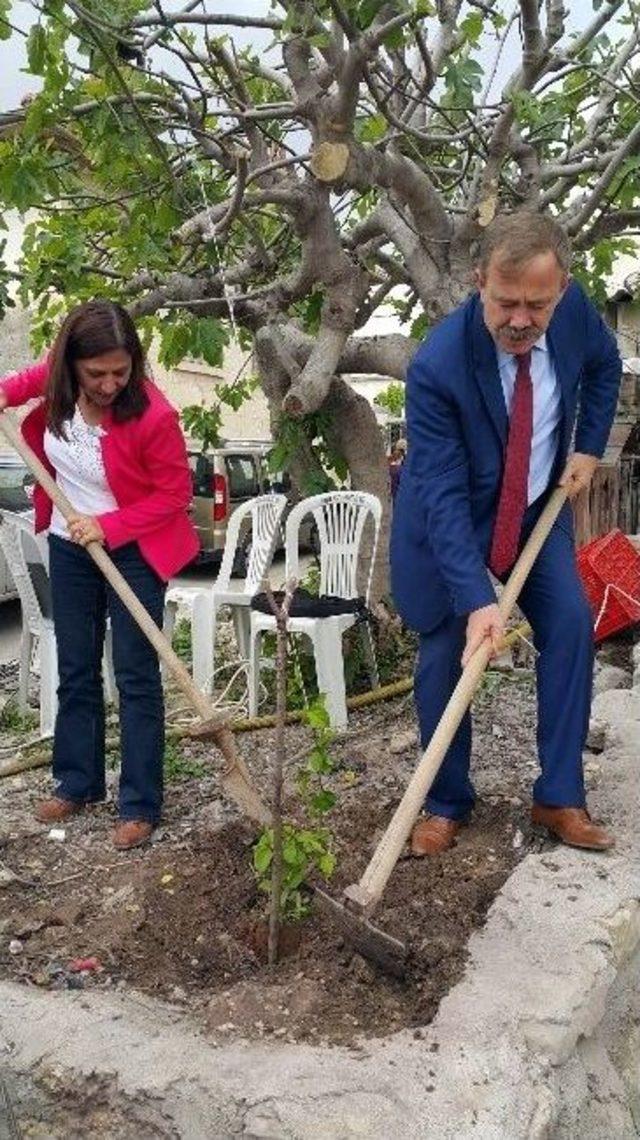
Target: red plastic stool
{"type": "Point", "coordinates": [610, 571]}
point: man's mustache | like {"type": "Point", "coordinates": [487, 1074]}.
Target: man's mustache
{"type": "Point", "coordinates": [517, 334]}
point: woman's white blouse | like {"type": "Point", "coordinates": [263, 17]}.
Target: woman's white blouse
{"type": "Point", "coordinates": [79, 467]}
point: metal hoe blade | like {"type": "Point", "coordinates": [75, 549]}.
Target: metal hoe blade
{"type": "Point", "coordinates": [386, 952]}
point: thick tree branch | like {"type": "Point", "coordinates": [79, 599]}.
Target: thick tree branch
{"type": "Point", "coordinates": [384, 356]}
{"type": "Point", "coordinates": [311, 389]}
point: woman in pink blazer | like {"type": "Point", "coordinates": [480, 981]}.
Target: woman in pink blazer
{"type": "Point", "coordinates": [114, 445]}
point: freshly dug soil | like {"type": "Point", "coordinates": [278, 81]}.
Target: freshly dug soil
{"type": "Point", "coordinates": [187, 923]}
{"type": "Point", "coordinates": [181, 919]}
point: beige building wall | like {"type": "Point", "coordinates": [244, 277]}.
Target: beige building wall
{"type": "Point", "coordinates": [15, 351]}
{"type": "Point", "coordinates": [194, 382]}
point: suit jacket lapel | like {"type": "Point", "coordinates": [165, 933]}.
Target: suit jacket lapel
{"type": "Point", "coordinates": [487, 375]}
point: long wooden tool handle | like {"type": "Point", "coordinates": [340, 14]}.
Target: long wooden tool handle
{"type": "Point", "coordinates": [365, 894]}
{"type": "Point", "coordinates": [111, 573]}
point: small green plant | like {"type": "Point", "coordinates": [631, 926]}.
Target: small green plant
{"type": "Point", "coordinates": [181, 640]}
{"type": "Point", "coordinates": [177, 766]}
{"type": "Point", "coordinates": [12, 720]}
{"type": "Point", "coordinates": [305, 850]}
{"type": "Point", "coordinates": [311, 779]}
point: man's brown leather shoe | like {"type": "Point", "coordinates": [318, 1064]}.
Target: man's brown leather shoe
{"type": "Point", "coordinates": [57, 810]}
{"type": "Point", "coordinates": [433, 834]}
{"type": "Point", "coordinates": [572, 825]}
{"type": "Point", "coordinates": [131, 833]}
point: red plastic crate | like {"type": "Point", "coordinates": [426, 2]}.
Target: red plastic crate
{"type": "Point", "coordinates": [610, 571]}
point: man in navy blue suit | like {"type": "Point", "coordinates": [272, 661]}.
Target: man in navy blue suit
{"type": "Point", "coordinates": [511, 394]}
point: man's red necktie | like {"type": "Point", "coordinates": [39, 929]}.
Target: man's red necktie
{"type": "Point", "coordinates": [515, 481]}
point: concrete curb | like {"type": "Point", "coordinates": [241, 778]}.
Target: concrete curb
{"type": "Point", "coordinates": [540, 1040]}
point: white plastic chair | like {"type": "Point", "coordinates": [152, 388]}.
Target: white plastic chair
{"type": "Point", "coordinates": [27, 557]}
{"type": "Point", "coordinates": [340, 518]}
{"type": "Point", "coordinates": [257, 520]}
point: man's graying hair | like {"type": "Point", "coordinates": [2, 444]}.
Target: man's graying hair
{"type": "Point", "coordinates": [516, 238]}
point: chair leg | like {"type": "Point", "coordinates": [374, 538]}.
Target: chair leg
{"type": "Point", "coordinates": [241, 617]}
{"type": "Point", "coordinates": [26, 649]}
{"type": "Point", "coordinates": [108, 670]}
{"type": "Point", "coordinates": [168, 627]}
{"type": "Point", "coordinates": [253, 678]}
{"type": "Point", "coordinates": [202, 640]}
{"type": "Point", "coordinates": [48, 683]}
{"type": "Point", "coordinates": [327, 645]}
{"type": "Point", "coordinates": [366, 640]}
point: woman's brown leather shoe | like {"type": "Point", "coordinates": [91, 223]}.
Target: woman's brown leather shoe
{"type": "Point", "coordinates": [57, 810]}
{"type": "Point", "coordinates": [132, 833]}
{"type": "Point", "coordinates": [573, 826]}
{"type": "Point", "coordinates": [434, 834]}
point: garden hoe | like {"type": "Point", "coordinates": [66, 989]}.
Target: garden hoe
{"type": "Point", "coordinates": [352, 914]}
{"type": "Point", "coordinates": [235, 777]}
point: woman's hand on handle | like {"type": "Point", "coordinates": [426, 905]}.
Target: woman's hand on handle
{"type": "Point", "coordinates": [3, 400]}
{"type": "Point", "coordinates": [84, 529]}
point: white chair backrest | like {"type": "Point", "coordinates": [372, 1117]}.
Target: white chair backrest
{"type": "Point", "coordinates": [265, 512]}
{"type": "Point", "coordinates": [340, 518]}
{"type": "Point", "coordinates": [22, 549]}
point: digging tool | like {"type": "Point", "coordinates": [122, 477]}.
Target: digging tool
{"type": "Point", "coordinates": [360, 899]}
{"type": "Point", "coordinates": [235, 776]}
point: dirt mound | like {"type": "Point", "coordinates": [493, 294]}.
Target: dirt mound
{"type": "Point", "coordinates": [186, 925]}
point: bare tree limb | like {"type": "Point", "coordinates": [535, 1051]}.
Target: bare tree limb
{"type": "Point", "coordinates": [580, 213]}
{"type": "Point", "coordinates": [608, 224]}
{"type": "Point", "coordinates": [582, 41]}
{"type": "Point", "coordinates": [171, 19]}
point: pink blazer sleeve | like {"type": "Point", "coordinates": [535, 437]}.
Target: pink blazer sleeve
{"type": "Point", "coordinates": [165, 456]}
{"type": "Point", "coordinates": [24, 386]}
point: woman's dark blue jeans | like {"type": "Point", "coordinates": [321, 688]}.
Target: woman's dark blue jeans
{"type": "Point", "coordinates": [81, 600]}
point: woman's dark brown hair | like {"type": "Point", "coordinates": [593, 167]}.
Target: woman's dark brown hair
{"type": "Point", "coordinates": [90, 330]}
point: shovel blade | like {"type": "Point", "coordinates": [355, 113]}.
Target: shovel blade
{"type": "Point", "coordinates": [240, 789]}
{"type": "Point", "coordinates": [382, 949]}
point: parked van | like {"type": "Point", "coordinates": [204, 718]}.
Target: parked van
{"type": "Point", "coordinates": [223, 479]}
